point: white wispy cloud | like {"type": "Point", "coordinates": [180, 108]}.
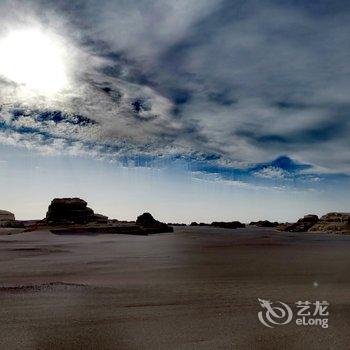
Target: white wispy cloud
{"type": "Point", "coordinates": [246, 82]}
{"type": "Point", "coordinates": [271, 172]}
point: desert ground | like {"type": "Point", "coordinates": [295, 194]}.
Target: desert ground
{"type": "Point", "coordinates": [196, 288]}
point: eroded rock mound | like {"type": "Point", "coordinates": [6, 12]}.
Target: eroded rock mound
{"type": "Point", "coordinates": [283, 226]}
{"type": "Point", "coordinates": [71, 211]}
{"type": "Point", "coordinates": [6, 216]}
{"type": "Point", "coordinates": [232, 224]}
{"type": "Point", "coordinates": [7, 219]}
{"type": "Point", "coordinates": [264, 223]}
{"type": "Point", "coordinates": [147, 221]}
{"type": "Point", "coordinates": [333, 222]}
{"type": "Point", "coordinates": [303, 224]}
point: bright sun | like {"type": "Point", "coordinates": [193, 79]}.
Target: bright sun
{"type": "Point", "coordinates": [33, 59]}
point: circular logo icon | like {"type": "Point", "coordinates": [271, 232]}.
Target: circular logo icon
{"type": "Point", "coordinates": [274, 313]}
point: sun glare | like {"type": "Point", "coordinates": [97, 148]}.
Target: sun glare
{"type": "Point", "coordinates": [34, 60]}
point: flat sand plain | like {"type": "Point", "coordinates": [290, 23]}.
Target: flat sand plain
{"type": "Point", "coordinates": [197, 288]}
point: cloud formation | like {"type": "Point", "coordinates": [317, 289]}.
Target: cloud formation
{"type": "Point", "coordinates": [235, 83]}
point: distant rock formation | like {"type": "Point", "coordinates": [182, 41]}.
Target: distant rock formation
{"type": "Point", "coordinates": [176, 224]}
{"type": "Point", "coordinates": [333, 222]}
{"type": "Point", "coordinates": [303, 224]}
{"type": "Point", "coordinates": [147, 221]}
{"type": "Point", "coordinates": [6, 218]}
{"type": "Point", "coordinates": [232, 224]}
{"type": "Point", "coordinates": [71, 211]}
{"type": "Point", "coordinates": [264, 223]}
{"type": "Point", "coordinates": [194, 223]}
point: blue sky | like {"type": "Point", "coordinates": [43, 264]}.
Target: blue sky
{"type": "Point", "coordinates": [186, 103]}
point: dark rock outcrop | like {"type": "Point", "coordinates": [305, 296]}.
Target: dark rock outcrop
{"type": "Point", "coordinates": [71, 211]}
{"type": "Point", "coordinates": [194, 223]}
{"type": "Point", "coordinates": [232, 224]}
{"type": "Point", "coordinates": [264, 223]}
{"type": "Point", "coordinates": [13, 224]}
{"type": "Point", "coordinates": [303, 224]}
{"type": "Point", "coordinates": [147, 221]}
{"type": "Point", "coordinates": [100, 219]}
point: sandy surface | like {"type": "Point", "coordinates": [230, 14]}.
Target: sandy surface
{"type": "Point", "coordinates": [194, 289]}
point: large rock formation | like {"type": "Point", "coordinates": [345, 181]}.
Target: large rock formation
{"type": "Point", "coordinates": [71, 211]}
{"type": "Point", "coordinates": [232, 224]}
{"type": "Point", "coordinates": [333, 222]}
{"type": "Point", "coordinates": [303, 224]}
{"type": "Point", "coordinates": [147, 221]}
{"type": "Point", "coordinates": [6, 218]}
